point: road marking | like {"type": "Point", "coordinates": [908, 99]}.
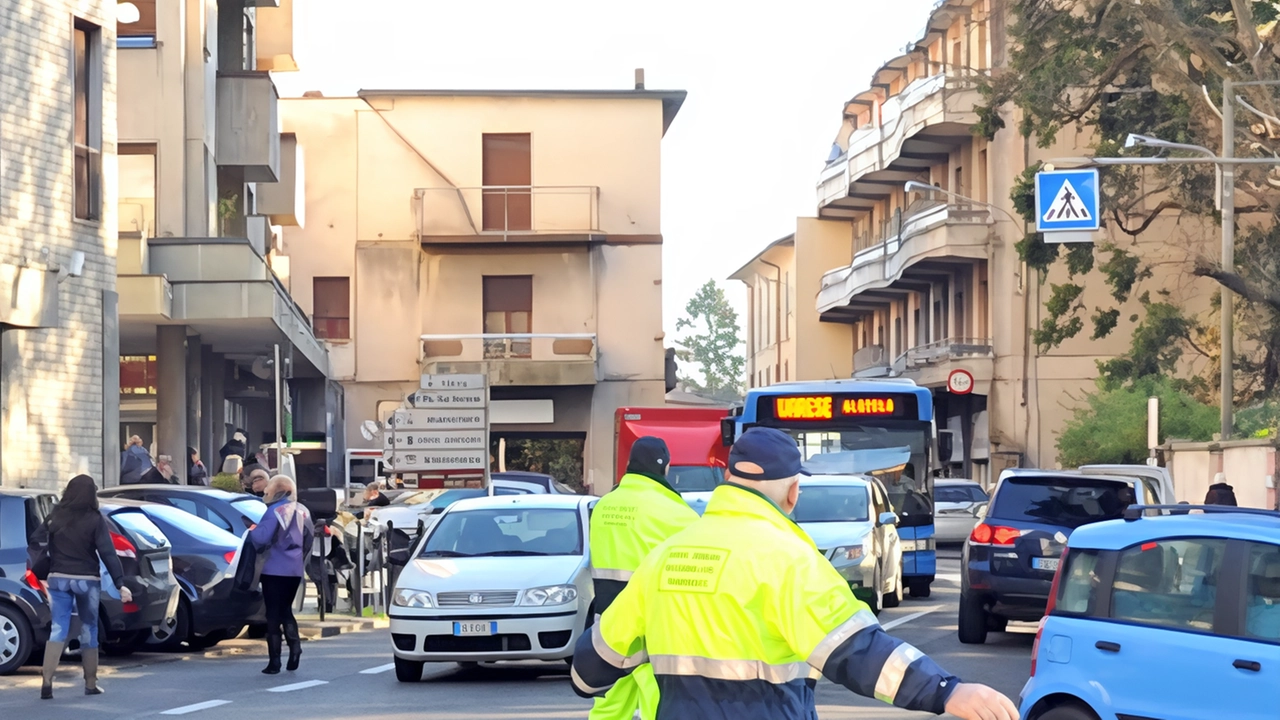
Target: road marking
{"type": "Point", "coordinates": [379, 669]}
{"type": "Point", "coordinates": [908, 618]}
{"type": "Point", "coordinates": [196, 708]}
{"type": "Point", "coordinates": [299, 686]}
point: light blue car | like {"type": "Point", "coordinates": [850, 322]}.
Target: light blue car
{"type": "Point", "coordinates": [1168, 617]}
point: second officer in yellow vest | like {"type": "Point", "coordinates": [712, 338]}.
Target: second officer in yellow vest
{"type": "Point", "coordinates": [626, 524]}
{"type": "Point", "coordinates": [733, 611]}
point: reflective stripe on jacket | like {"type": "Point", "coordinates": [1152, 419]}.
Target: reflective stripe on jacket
{"type": "Point", "coordinates": [626, 524]}
{"type": "Point", "coordinates": [732, 613]}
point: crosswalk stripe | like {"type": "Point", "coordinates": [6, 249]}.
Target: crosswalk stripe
{"type": "Point", "coordinates": [298, 686]}
{"type": "Point", "coordinates": [379, 669]}
{"type": "Point", "coordinates": [196, 707]}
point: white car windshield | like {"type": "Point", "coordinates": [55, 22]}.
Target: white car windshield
{"type": "Point", "coordinates": [831, 503]}
{"type": "Point", "coordinates": [506, 532]}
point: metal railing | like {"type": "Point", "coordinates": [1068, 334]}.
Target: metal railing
{"type": "Point", "coordinates": [507, 210]}
{"type": "Point", "coordinates": [940, 350]}
{"type": "Point", "coordinates": [510, 346]}
{"type": "Point", "coordinates": [905, 223]}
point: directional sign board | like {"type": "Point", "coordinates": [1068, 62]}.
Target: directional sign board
{"type": "Point", "coordinates": [1067, 201]}
{"type": "Point", "coordinates": [441, 428]}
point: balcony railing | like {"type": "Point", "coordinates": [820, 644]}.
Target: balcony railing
{"type": "Point", "coordinates": [503, 211]}
{"type": "Point", "coordinates": [941, 351]}
{"type": "Point", "coordinates": [510, 346]}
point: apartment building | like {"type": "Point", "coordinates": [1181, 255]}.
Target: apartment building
{"type": "Point", "coordinates": [57, 240]}
{"type": "Point", "coordinates": [926, 283]}
{"type": "Point", "coordinates": [515, 234]}
{"type": "Point", "coordinates": [206, 182]}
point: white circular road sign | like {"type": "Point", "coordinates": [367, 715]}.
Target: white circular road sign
{"type": "Point", "coordinates": [960, 382]}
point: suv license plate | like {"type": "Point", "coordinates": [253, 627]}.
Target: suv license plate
{"type": "Point", "coordinates": [465, 629]}
{"type": "Point", "coordinates": [1045, 564]}
{"type": "Point", "coordinates": [160, 567]}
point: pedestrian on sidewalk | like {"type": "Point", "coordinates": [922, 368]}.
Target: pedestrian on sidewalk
{"type": "Point", "coordinates": [161, 474]}
{"type": "Point", "coordinates": [256, 479]}
{"type": "Point", "coordinates": [134, 461]}
{"type": "Point", "coordinates": [1220, 493]}
{"type": "Point", "coordinates": [197, 474]}
{"type": "Point", "coordinates": [74, 538]}
{"type": "Point", "coordinates": [237, 445]}
{"type": "Point", "coordinates": [284, 537]}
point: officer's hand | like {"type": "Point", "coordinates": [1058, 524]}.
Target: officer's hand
{"type": "Point", "coordinates": [127, 597]}
{"type": "Point", "coordinates": [971, 701]}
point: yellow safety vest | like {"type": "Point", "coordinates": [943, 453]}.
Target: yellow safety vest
{"type": "Point", "coordinates": [732, 613]}
{"type": "Point", "coordinates": [626, 524]}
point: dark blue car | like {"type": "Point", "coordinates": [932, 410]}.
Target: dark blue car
{"type": "Point", "coordinates": [233, 512]}
{"type": "Point", "coordinates": [24, 605]}
{"type": "Point", "coordinates": [1011, 556]}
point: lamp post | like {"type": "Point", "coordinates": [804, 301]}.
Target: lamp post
{"type": "Point", "coordinates": [1226, 165]}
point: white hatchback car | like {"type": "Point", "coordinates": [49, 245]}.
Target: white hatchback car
{"type": "Point", "coordinates": [496, 578]}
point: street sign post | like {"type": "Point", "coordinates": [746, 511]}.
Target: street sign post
{"type": "Point", "coordinates": [442, 429]}
{"type": "Point", "coordinates": [1068, 205]}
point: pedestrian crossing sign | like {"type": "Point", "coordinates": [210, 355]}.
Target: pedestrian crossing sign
{"type": "Point", "coordinates": [1067, 200]}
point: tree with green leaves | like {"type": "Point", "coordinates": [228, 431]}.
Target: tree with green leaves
{"type": "Point", "coordinates": [1111, 427]}
{"type": "Point", "coordinates": [714, 344]}
{"type": "Point", "coordinates": [1154, 67]}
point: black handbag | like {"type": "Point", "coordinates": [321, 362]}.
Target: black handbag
{"type": "Point", "coordinates": [40, 552]}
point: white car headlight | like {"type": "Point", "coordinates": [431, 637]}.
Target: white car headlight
{"type": "Point", "coordinates": [410, 598]}
{"type": "Point", "coordinates": [550, 595]}
{"type": "Point", "coordinates": [849, 552]}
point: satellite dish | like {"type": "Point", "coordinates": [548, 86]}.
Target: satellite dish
{"type": "Point", "coordinates": [262, 367]}
{"type": "Point", "coordinates": [369, 429]}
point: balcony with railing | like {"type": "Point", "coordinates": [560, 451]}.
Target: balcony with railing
{"type": "Point", "coordinates": [926, 230]}
{"type": "Point", "coordinates": [523, 359]}
{"type": "Point", "coordinates": [508, 213]}
{"type": "Point", "coordinates": [918, 127]}
{"type": "Point", "coordinates": [942, 351]}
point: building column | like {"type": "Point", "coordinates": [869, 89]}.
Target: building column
{"type": "Point", "coordinates": [208, 451]}
{"type": "Point", "coordinates": [171, 395]}
{"type": "Point", "coordinates": [195, 405]}
{"type": "Point", "coordinates": [217, 373]}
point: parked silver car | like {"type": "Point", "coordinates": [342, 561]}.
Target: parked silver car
{"type": "Point", "coordinates": [956, 504]}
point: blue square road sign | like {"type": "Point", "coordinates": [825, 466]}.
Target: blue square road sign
{"type": "Point", "coordinates": [1067, 200]}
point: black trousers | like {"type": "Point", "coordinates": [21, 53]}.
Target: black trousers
{"type": "Point", "coordinates": [278, 592]}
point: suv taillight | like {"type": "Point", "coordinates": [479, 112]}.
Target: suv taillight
{"type": "Point", "coordinates": [33, 582]}
{"type": "Point", "coordinates": [984, 534]}
{"type": "Point", "coordinates": [123, 547]}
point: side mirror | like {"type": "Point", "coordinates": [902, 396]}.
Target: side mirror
{"type": "Point", "coordinates": [727, 429]}
{"type": "Point", "coordinates": [437, 510]}
{"type": "Point", "coordinates": [888, 518]}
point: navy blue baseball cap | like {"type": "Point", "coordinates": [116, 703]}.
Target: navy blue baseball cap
{"type": "Point", "coordinates": [763, 453]}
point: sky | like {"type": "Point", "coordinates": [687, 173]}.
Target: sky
{"type": "Point", "coordinates": [766, 86]}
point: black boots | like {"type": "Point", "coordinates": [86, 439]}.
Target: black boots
{"type": "Point", "coordinates": [295, 645]}
{"type": "Point", "coordinates": [273, 653]}
{"type": "Point", "coordinates": [89, 656]}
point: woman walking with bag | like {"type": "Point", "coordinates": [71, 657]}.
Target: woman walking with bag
{"type": "Point", "coordinates": [67, 547]}
{"type": "Point", "coordinates": [284, 537]}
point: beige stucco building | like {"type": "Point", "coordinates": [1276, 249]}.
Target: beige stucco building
{"type": "Point", "coordinates": [207, 179]}
{"type": "Point", "coordinates": [923, 284]}
{"type": "Point", "coordinates": [57, 240]}
{"type": "Point", "coordinates": [512, 233]}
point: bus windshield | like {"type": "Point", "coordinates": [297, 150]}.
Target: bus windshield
{"type": "Point", "coordinates": [897, 455]}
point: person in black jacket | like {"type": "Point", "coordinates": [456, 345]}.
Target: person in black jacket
{"type": "Point", "coordinates": [77, 537]}
{"type": "Point", "coordinates": [1220, 493]}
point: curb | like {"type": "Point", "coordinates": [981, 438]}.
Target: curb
{"type": "Point", "coordinates": [312, 628]}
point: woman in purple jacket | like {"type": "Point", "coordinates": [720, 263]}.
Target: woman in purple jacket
{"type": "Point", "coordinates": [284, 537]}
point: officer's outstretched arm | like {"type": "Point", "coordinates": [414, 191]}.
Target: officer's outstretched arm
{"type": "Point", "coordinates": [615, 644]}
{"type": "Point", "coordinates": [841, 638]}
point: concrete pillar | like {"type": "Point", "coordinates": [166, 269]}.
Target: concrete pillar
{"type": "Point", "coordinates": [195, 405]}
{"type": "Point", "coordinates": [208, 368]}
{"type": "Point", "coordinates": [171, 395]}
{"type": "Point", "coordinates": [217, 373]}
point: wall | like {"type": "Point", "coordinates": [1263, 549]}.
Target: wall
{"type": "Point", "coordinates": [824, 350]}
{"type": "Point", "coordinates": [1249, 466]}
{"type": "Point", "coordinates": [56, 421]}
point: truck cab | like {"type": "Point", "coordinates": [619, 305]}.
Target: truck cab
{"type": "Point", "coordinates": [692, 435]}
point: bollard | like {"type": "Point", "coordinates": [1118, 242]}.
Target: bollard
{"type": "Point", "coordinates": [383, 567]}
{"type": "Point", "coordinates": [359, 583]}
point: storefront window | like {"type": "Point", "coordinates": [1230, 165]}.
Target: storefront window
{"type": "Point", "coordinates": [137, 374]}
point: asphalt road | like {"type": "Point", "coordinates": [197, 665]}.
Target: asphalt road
{"type": "Point", "coordinates": [351, 677]}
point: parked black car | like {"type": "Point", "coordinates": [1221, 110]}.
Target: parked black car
{"type": "Point", "coordinates": [1012, 555]}
{"type": "Point", "coordinates": [144, 553]}
{"type": "Point", "coordinates": [24, 605]}
{"type": "Point", "coordinates": [207, 612]}
{"type": "Point", "coordinates": [233, 512]}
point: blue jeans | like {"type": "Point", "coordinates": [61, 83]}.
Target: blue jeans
{"type": "Point", "coordinates": [82, 596]}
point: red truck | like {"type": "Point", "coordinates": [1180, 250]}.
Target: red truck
{"type": "Point", "coordinates": [698, 457]}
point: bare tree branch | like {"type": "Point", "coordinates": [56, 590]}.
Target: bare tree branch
{"type": "Point", "coordinates": [1146, 223]}
{"type": "Point", "coordinates": [1237, 284]}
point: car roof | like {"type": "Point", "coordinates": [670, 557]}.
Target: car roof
{"type": "Point", "coordinates": [956, 482]}
{"type": "Point", "coordinates": [26, 492]}
{"type": "Point", "coordinates": [833, 480]}
{"type": "Point", "coordinates": [164, 487]}
{"type": "Point", "coordinates": [523, 501]}
{"type": "Point", "coordinates": [1119, 534]}
{"type": "Point", "coordinates": [117, 503]}
{"type": "Point", "coordinates": [1073, 474]}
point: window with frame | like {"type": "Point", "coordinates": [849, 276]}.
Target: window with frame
{"type": "Point", "coordinates": [1169, 583]}
{"type": "Point", "coordinates": [87, 138]}
{"type": "Point", "coordinates": [1262, 595]}
{"type": "Point", "coordinates": [140, 32]}
{"type": "Point", "coordinates": [136, 178]}
{"type": "Point", "coordinates": [1078, 589]}
{"type": "Point", "coordinates": [331, 308]}
{"type": "Point", "coordinates": [508, 310]}
{"type": "Point", "coordinates": [507, 174]}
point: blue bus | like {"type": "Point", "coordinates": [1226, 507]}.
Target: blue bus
{"type": "Point", "coordinates": [881, 427]}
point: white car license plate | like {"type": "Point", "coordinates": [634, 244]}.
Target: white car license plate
{"type": "Point", "coordinates": [1045, 563]}
{"type": "Point", "coordinates": [463, 629]}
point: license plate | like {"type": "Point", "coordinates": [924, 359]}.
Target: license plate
{"type": "Point", "coordinates": [159, 567]}
{"type": "Point", "coordinates": [463, 629]}
{"type": "Point", "coordinates": [1045, 563]}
